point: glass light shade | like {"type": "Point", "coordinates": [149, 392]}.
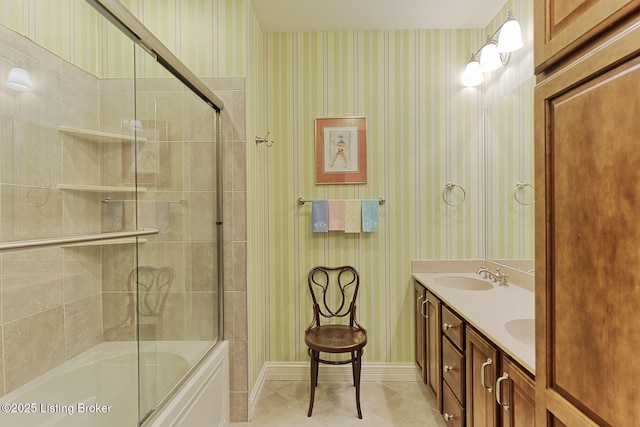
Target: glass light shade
{"type": "Point", "coordinates": [490, 58]}
{"type": "Point", "coordinates": [510, 38]}
{"type": "Point", "coordinates": [472, 75]}
{"type": "Point", "coordinates": [19, 79]}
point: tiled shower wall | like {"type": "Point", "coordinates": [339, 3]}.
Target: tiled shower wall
{"type": "Point", "coordinates": [50, 299]}
{"type": "Point", "coordinates": [234, 139]}
{"type": "Point", "coordinates": [56, 303]}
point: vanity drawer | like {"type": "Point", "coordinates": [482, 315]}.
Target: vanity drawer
{"type": "Point", "coordinates": [453, 327]}
{"type": "Point", "coordinates": [453, 368]}
{"type": "Point", "coordinates": [452, 410]}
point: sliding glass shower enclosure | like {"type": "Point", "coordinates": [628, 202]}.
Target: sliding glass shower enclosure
{"type": "Point", "coordinates": [110, 224]}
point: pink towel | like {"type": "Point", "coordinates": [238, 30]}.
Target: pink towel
{"type": "Point", "coordinates": [336, 215]}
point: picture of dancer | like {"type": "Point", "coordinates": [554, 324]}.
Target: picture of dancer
{"type": "Point", "coordinates": [340, 151]}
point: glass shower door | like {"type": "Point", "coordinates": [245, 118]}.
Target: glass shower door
{"type": "Point", "coordinates": [174, 157]}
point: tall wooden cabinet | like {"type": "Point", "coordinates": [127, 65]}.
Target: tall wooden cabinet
{"type": "Point", "coordinates": [587, 108]}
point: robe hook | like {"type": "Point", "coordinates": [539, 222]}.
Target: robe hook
{"type": "Point", "coordinates": [265, 140]}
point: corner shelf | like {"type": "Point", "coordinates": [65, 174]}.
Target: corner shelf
{"type": "Point", "coordinates": [97, 136]}
{"type": "Point", "coordinates": [101, 188]}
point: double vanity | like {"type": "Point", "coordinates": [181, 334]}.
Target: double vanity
{"type": "Point", "coordinates": [475, 341]}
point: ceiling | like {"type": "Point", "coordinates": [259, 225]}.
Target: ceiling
{"type": "Point", "coordinates": [334, 15]}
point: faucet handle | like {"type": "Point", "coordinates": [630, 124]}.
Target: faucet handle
{"type": "Point", "coordinates": [502, 277]}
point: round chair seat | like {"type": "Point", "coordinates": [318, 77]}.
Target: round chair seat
{"type": "Point", "coordinates": [335, 338]}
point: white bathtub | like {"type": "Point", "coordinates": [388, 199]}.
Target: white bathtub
{"type": "Point", "coordinates": [100, 386]}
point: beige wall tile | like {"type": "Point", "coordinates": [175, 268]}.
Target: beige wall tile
{"type": "Point", "coordinates": [83, 324]}
{"type": "Point", "coordinates": [32, 346]}
{"type": "Point", "coordinates": [118, 316]}
{"type": "Point", "coordinates": [202, 274]}
{"type": "Point", "coordinates": [2, 374]}
{"type": "Point", "coordinates": [82, 273]}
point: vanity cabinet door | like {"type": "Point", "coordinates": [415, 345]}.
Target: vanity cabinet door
{"type": "Point", "coordinates": [420, 329]}
{"type": "Point", "coordinates": [433, 348]}
{"type": "Point", "coordinates": [482, 360]}
{"type": "Point", "coordinates": [564, 26]}
{"type": "Point", "coordinates": [518, 396]}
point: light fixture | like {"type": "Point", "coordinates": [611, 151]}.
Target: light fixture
{"type": "Point", "coordinates": [490, 58]}
{"type": "Point", "coordinates": [510, 38]}
{"type": "Point", "coordinates": [472, 75]}
{"type": "Point", "coordinates": [495, 53]}
{"type": "Point", "coordinates": [19, 79]}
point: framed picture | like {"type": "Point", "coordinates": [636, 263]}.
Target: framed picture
{"type": "Point", "coordinates": [150, 152]}
{"type": "Point", "coordinates": [341, 150]}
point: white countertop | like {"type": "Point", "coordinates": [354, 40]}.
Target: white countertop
{"type": "Point", "coordinates": [488, 311]}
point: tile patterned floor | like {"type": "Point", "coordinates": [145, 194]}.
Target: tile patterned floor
{"type": "Point", "coordinates": [401, 404]}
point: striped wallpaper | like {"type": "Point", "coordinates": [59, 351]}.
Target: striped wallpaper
{"type": "Point", "coordinates": [423, 130]}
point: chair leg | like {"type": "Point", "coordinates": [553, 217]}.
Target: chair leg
{"type": "Point", "coordinates": [358, 366]}
{"type": "Point", "coordinates": [314, 380]}
{"type": "Point", "coordinates": [353, 366]}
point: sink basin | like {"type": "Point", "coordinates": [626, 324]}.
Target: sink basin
{"type": "Point", "coordinates": [524, 330]}
{"type": "Point", "coordinates": [464, 283]}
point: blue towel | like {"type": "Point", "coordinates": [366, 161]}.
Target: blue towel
{"type": "Point", "coordinates": [320, 216]}
{"type": "Point", "coordinates": [370, 215]}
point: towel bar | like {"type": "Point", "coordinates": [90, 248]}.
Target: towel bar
{"type": "Point", "coordinates": [302, 201]}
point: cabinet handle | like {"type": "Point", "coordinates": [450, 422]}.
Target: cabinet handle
{"type": "Point", "coordinates": [418, 305]}
{"type": "Point", "coordinates": [482, 375]}
{"type": "Point", "coordinates": [447, 326]}
{"type": "Point", "coordinates": [423, 311]}
{"type": "Point", "coordinates": [447, 368]}
{"type": "Point", "coordinates": [505, 405]}
{"type": "Point", "coordinates": [448, 417]}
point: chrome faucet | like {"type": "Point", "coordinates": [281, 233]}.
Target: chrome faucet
{"type": "Point", "coordinates": [499, 277]}
{"type": "Point", "coordinates": [485, 272]}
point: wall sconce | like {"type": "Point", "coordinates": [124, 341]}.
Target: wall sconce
{"type": "Point", "coordinates": [495, 53]}
{"type": "Point", "coordinates": [19, 79]}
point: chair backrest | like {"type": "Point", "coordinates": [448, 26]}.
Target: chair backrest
{"type": "Point", "coordinates": [153, 285]}
{"type": "Point", "coordinates": [334, 291]}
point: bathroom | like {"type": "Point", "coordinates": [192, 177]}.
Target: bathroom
{"type": "Point", "coordinates": [239, 291]}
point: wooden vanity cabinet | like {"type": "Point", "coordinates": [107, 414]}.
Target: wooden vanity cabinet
{"type": "Point", "coordinates": [428, 340]}
{"type": "Point", "coordinates": [420, 329]}
{"type": "Point", "coordinates": [506, 400]}
{"type": "Point", "coordinates": [517, 396]}
{"type": "Point", "coordinates": [453, 367]}
{"type": "Point", "coordinates": [482, 362]}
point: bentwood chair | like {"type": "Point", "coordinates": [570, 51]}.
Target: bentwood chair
{"type": "Point", "coordinates": [334, 291]}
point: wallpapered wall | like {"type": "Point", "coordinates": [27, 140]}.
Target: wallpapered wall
{"type": "Point", "coordinates": [423, 130]}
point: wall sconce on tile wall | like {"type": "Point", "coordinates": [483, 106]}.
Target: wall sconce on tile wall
{"type": "Point", "coordinates": [495, 53]}
{"type": "Point", "coordinates": [19, 79]}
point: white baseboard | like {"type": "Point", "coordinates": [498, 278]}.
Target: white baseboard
{"type": "Point", "coordinates": [299, 371]}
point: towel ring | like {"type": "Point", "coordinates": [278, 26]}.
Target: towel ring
{"type": "Point", "coordinates": [522, 186]}
{"type": "Point", "coordinates": [37, 196]}
{"type": "Point", "coordinates": [450, 187]}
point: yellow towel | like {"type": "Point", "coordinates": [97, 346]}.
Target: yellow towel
{"type": "Point", "coordinates": [352, 216]}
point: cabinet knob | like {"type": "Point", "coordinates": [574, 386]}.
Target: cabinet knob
{"type": "Point", "coordinates": [447, 368]}
{"type": "Point", "coordinates": [448, 417]}
{"type": "Point", "coordinates": [447, 326]}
